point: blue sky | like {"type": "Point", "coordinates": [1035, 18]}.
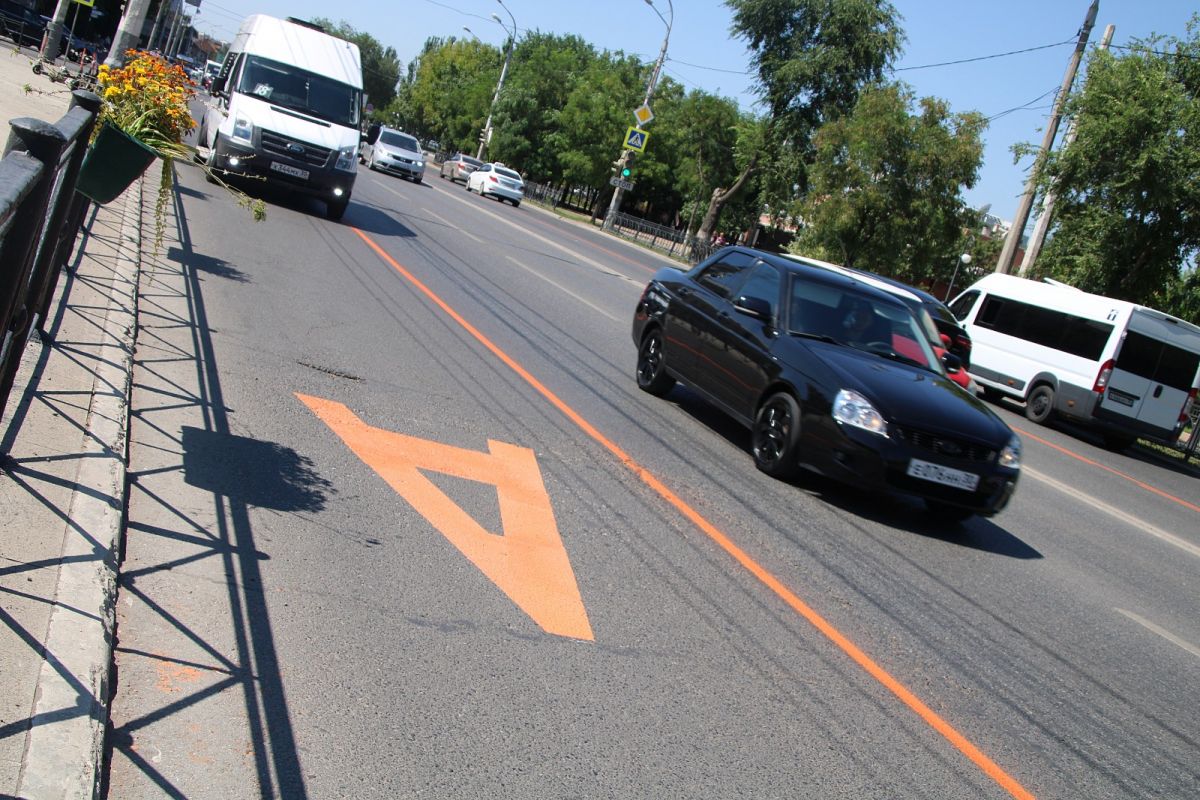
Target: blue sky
{"type": "Point", "coordinates": [703, 55]}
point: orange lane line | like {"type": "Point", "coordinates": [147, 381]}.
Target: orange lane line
{"type": "Point", "coordinates": [977, 757]}
{"type": "Point", "coordinates": [1107, 468]}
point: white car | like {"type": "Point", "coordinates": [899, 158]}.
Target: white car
{"type": "Point", "coordinates": [395, 152]}
{"type": "Point", "coordinates": [498, 181]}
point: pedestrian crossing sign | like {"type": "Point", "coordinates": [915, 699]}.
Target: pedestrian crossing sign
{"type": "Point", "coordinates": [635, 139]}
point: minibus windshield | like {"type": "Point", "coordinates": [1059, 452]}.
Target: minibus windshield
{"type": "Point", "coordinates": [300, 90]}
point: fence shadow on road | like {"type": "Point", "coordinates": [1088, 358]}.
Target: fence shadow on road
{"type": "Point", "coordinates": [233, 474]}
{"type": "Point", "coordinates": [47, 480]}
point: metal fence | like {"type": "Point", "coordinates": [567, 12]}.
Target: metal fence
{"type": "Point", "coordinates": [673, 242]}
{"type": "Point", "coordinates": [40, 217]}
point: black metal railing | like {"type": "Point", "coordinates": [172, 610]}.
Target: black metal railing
{"type": "Point", "coordinates": [40, 218]}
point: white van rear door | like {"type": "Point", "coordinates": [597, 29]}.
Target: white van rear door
{"type": "Point", "coordinates": [1155, 369]}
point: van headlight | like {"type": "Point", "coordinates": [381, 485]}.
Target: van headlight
{"type": "Point", "coordinates": [243, 130]}
{"type": "Point", "coordinates": [851, 408]}
{"type": "Point", "coordinates": [347, 159]}
{"type": "Point", "coordinates": [1010, 456]}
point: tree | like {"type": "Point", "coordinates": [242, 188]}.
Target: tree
{"type": "Point", "coordinates": [811, 57]}
{"type": "Point", "coordinates": [448, 93]}
{"type": "Point", "coordinates": [886, 185]}
{"type": "Point", "coordinates": [380, 65]}
{"type": "Point", "coordinates": [544, 72]}
{"type": "Point", "coordinates": [1127, 223]}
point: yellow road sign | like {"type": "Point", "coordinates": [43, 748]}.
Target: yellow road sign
{"type": "Point", "coordinates": [635, 139]}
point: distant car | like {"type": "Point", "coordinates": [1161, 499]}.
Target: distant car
{"type": "Point", "coordinates": [22, 26]}
{"type": "Point", "coordinates": [396, 152]}
{"type": "Point", "coordinates": [497, 181]}
{"type": "Point", "coordinates": [805, 357]}
{"type": "Point", "coordinates": [459, 167]}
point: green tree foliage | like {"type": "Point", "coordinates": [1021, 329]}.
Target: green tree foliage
{"type": "Point", "coordinates": [448, 93]}
{"type": "Point", "coordinates": [1127, 220]}
{"type": "Point", "coordinates": [811, 58]}
{"type": "Point", "coordinates": [588, 129]}
{"type": "Point", "coordinates": [886, 185]}
{"type": "Point", "coordinates": [545, 70]}
{"type": "Point", "coordinates": [381, 65]}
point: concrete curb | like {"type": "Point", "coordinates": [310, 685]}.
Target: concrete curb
{"type": "Point", "coordinates": [65, 750]}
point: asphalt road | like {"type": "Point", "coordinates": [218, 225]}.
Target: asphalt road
{"type": "Point", "coordinates": [402, 525]}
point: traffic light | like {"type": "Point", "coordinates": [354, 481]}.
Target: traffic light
{"type": "Point", "coordinates": [627, 170]}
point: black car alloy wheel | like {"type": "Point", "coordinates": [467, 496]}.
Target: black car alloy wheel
{"type": "Point", "coordinates": [776, 435]}
{"type": "Point", "coordinates": [652, 375]}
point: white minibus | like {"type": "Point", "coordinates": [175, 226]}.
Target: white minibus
{"type": "Point", "coordinates": [1124, 369]}
{"type": "Point", "coordinates": [285, 107]}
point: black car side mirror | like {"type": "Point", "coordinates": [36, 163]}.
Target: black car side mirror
{"type": "Point", "coordinates": [951, 362]}
{"type": "Point", "coordinates": [753, 307]}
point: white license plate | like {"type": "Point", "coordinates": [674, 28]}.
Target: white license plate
{"type": "Point", "coordinates": [943, 475]}
{"type": "Point", "coordinates": [288, 169]}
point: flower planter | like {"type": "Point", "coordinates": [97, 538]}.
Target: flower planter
{"type": "Point", "coordinates": [113, 162]}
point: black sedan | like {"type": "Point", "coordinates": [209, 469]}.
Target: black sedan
{"type": "Point", "coordinates": [829, 373]}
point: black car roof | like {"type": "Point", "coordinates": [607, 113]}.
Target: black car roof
{"type": "Point", "coordinates": [815, 272]}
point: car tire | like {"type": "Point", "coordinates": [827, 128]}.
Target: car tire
{"type": "Point", "coordinates": [1039, 406]}
{"type": "Point", "coordinates": [652, 376]}
{"type": "Point", "coordinates": [775, 437]}
{"type": "Point", "coordinates": [213, 161]}
{"type": "Point", "coordinates": [944, 512]}
{"type": "Point", "coordinates": [417, 180]}
{"type": "Point", "coordinates": [516, 203]}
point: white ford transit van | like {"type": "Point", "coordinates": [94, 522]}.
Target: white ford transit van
{"type": "Point", "coordinates": [285, 107]}
{"type": "Point", "coordinates": [1125, 369]}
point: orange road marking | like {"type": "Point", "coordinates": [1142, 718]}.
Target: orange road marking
{"type": "Point", "coordinates": [1118, 473]}
{"type": "Point", "coordinates": [528, 562]}
{"type": "Point", "coordinates": [974, 754]}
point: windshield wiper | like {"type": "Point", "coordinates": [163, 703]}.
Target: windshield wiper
{"type": "Point", "coordinates": [820, 337]}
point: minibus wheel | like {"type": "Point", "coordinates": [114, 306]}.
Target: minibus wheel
{"type": "Point", "coordinates": [1040, 404]}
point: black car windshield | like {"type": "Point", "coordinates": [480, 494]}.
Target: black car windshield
{"type": "Point", "coordinates": [401, 140]}
{"type": "Point", "coordinates": [299, 90]}
{"type": "Point", "coordinates": [859, 320]}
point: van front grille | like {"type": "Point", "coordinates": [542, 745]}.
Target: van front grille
{"type": "Point", "coordinates": [286, 147]}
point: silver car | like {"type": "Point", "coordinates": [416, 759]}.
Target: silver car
{"type": "Point", "coordinates": [396, 152]}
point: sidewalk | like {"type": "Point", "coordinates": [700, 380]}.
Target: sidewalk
{"type": "Point", "coordinates": [62, 491]}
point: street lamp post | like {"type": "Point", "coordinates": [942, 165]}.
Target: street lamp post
{"type": "Point", "coordinates": [615, 205]}
{"type": "Point", "coordinates": [963, 260]}
{"type": "Point", "coordinates": [486, 137]}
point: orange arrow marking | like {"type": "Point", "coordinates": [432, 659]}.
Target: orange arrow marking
{"type": "Point", "coordinates": [528, 562]}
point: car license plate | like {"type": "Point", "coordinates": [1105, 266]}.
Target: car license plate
{"type": "Point", "coordinates": [288, 169]}
{"type": "Point", "coordinates": [943, 475]}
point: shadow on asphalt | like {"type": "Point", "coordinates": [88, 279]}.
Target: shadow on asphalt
{"type": "Point", "coordinates": [213, 266]}
{"type": "Point", "coordinates": [894, 511]}
{"type": "Point", "coordinates": [240, 473]}
{"type": "Point", "coordinates": [253, 472]}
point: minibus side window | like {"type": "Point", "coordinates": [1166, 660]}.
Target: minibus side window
{"type": "Point", "coordinates": [1063, 332]}
{"type": "Point", "coordinates": [963, 304]}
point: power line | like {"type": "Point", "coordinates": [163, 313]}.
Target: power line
{"type": "Point", "coordinates": [985, 58]}
{"type": "Point", "coordinates": [1028, 105]}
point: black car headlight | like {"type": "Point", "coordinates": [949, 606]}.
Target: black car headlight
{"type": "Point", "coordinates": [1010, 456]}
{"type": "Point", "coordinates": [851, 408]}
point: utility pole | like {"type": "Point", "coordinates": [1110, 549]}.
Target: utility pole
{"type": "Point", "coordinates": [615, 205]}
{"type": "Point", "coordinates": [1013, 241]}
{"type": "Point", "coordinates": [1038, 238]}
{"type": "Point", "coordinates": [128, 32]}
